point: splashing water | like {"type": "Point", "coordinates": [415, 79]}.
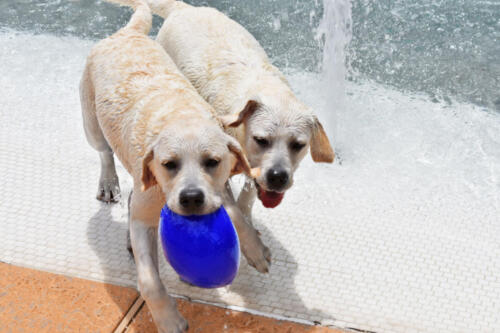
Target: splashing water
{"type": "Point", "coordinates": [335, 31]}
{"type": "Point", "coordinates": [448, 49]}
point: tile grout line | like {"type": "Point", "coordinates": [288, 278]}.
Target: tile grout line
{"type": "Point", "coordinates": [131, 313]}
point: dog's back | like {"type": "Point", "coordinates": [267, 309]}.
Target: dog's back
{"type": "Point", "coordinates": [226, 60]}
{"type": "Point", "coordinates": [136, 86]}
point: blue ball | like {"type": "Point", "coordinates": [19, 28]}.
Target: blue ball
{"type": "Point", "coordinates": [203, 249]}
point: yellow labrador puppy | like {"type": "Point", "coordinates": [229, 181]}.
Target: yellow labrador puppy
{"type": "Point", "coordinates": [137, 104]}
{"type": "Point", "coordinates": [232, 72]}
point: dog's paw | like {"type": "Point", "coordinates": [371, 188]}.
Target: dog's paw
{"type": "Point", "coordinates": [108, 190]}
{"type": "Point", "coordinates": [173, 324]}
{"type": "Point", "coordinates": [257, 254]}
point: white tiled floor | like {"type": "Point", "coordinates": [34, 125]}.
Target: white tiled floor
{"type": "Point", "coordinates": [401, 257]}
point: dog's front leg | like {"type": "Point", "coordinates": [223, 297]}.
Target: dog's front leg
{"type": "Point", "coordinates": [246, 199]}
{"type": "Point", "coordinates": [257, 254]}
{"type": "Point", "coordinates": [143, 236]}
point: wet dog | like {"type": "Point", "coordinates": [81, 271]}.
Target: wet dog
{"type": "Point", "coordinates": [138, 105]}
{"type": "Point", "coordinates": [232, 72]}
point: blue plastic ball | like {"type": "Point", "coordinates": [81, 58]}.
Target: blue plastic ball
{"type": "Point", "coordinates": [203, 249]}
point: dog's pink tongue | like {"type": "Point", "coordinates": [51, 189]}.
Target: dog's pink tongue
{"type": "Point", "coordinates": [270, 199]}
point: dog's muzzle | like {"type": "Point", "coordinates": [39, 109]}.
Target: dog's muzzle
{"type": "Point", "coordinates": [191, 199]}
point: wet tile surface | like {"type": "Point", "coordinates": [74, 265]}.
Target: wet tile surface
{"type": "Point", "coordinates": [381, 256]}
{"type": "Point", "coordinates": [33, 301]}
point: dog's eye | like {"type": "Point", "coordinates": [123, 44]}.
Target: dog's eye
{"type": "Point", "coordinates": [211, 163]}
{"type": "Point", "coordinates": [261, 141]}
{"type": "Point", "coordinates": [171, 165]}
{"type": "Point", "coordinates": [297, 146]}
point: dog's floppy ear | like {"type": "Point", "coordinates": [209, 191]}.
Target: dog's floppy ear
{"type": "Point", "coordinates": [321, 150]}
{"type": "Point", "coordinates": [235, 119]}
{"type": "Point", "coordinates": [147, 177]}
{"type": "Point", "coordinates": [241, 164]}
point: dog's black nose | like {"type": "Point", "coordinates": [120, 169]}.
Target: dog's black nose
{"type": "Point", "coordinates": [276, 179]}
{"type": "Point", "coordinates": [191, 198]}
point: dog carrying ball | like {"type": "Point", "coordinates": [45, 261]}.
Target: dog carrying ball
{"type": "Point", "coordinates": [203, 249]}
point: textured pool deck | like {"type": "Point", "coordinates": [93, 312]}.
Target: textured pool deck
{"type": "Point", "coordinates": [379, 251]}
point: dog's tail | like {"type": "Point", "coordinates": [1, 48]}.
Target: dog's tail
{"type": "Point", "coordinates": [162, 8]}
{"type": "Point", "coordinates": [142, 18]}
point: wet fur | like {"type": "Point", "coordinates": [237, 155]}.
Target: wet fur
{"type": "Point", "coordinates": [232, 72]}
{"type": "Point", "coordinates": [138, 105]}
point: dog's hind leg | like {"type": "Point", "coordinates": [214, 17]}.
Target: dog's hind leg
{"type": "Point", "coordinates": [109, 188]}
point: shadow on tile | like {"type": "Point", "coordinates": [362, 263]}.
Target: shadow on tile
{"type": "Point", "coordinates": [276, 291]}
{"type": "Point", "coordinates": [106, 234]}
{"type": "Point", "coordinates": [270, 293]}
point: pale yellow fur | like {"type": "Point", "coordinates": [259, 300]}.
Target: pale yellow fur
{"type": "Point", "coordinates": [138, 105]}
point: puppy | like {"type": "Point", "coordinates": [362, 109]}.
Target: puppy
{"type": "Point", "coordinates": [232, 72]}
{"type": "Point", "coordinates": [137, 104]}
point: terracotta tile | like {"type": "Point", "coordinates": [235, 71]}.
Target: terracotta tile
{"type": "Point", "coordinates": [211, 319]}
{"type": "Point", "coordinates": [35, 301]}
